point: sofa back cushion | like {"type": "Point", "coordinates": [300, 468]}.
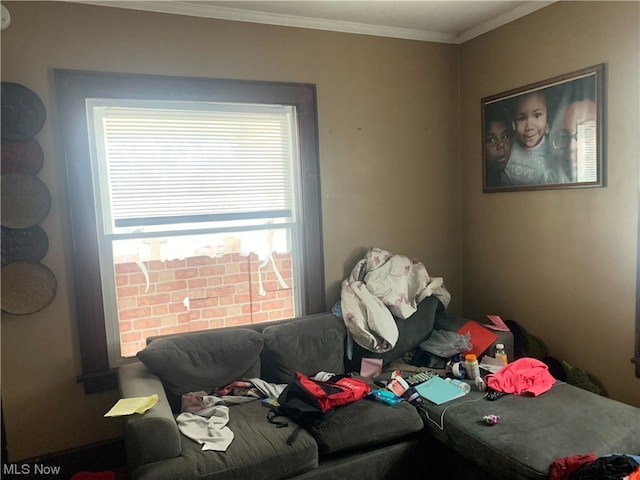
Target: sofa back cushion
{"type": "Point", "coordinates": [202, 361]}
{"type": "Point", "coordinates": [411, 332]}
{"type": "Point", "coordinates": [308, 344]}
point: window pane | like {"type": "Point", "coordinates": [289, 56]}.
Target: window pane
{"type": "Point", "coordinates": [167, 163]}
{"type": "Point", "coordinates": [183, 169]}
{"type": "Point", "coordinates": [167, 285]}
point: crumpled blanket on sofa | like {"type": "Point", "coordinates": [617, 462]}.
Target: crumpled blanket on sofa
{"type": "Point", "coordinates": [383, 285]}
{"type": "Point", "coordinates": [204, 417]}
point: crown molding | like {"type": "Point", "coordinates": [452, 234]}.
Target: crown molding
{"type": "Point", "coordinates": [500, 20]}
{"type": "Point", "coordinates": [202, 9]}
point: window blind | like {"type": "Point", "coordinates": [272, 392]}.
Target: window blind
{"type": "Point", "coordinates": [165, 166]}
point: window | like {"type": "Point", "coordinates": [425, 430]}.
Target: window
{"type": "Point", "coordinates": [169, 177]}
{"type": "Point", "coordinates": [195, 205]}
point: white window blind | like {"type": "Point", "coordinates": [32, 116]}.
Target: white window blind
{"type": "Point", "coordinates": [177, 166]}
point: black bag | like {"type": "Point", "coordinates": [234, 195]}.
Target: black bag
{"type": "Point", "coordinates": [308, 402]}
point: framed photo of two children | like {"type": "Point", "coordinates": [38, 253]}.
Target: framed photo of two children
{"type": "Point", "coordinates": [546, 135]}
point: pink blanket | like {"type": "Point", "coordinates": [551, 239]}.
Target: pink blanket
{"type": "Point", "coordinates": [522, 376]}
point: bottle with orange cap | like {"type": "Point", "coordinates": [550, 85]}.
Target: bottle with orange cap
{"type": "Point", "coordinates": [472, 366]}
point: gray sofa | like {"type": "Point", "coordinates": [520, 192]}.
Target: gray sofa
{"type": "Point", "coordinates": [365, 439]}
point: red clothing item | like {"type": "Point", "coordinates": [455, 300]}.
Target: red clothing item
{"type": "Point", "coordinates": [106, 475]}
{"type": "Point", "coordinates": [635, 475]}
{"type": "Point", "coordinates": [525, 375]}
{"type": "Point", "coordinates": [562, 468]}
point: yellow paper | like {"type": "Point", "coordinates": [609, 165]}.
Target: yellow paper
{"type": "Point", "coordinates": [128, 406]}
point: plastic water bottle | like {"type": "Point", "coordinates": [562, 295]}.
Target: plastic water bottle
{"type": "Point", "coordinates": [500, 354]}
{"type": "Point", "coordinates": [460, 384]}
{"type": "Point", "coordinates": [472, 366]}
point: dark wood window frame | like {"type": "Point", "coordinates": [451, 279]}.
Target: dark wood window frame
{"type": "Point", "coordinates": [636, 356]}
{"type": "Point", "coordinates": [73, 87]}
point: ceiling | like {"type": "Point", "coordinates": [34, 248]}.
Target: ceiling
{"type": "Point", "coordinates": [444, 21]}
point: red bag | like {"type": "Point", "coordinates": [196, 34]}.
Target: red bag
{"type": "Point", "coordinates": [308, 401]}
{"type": "Point", "coordinates": [339, 390]}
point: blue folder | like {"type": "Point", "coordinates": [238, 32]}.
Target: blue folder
{"type": "Point", "coordinates": [438, 390]}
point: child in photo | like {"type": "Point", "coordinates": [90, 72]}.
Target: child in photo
{"type": "Point", "coordinates": [528, 162]}
{"type": "Point", "coordinates": [497, 143]}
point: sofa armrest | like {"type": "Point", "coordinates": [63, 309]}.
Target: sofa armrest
{"type": "Point", "coordinates": [154, 435]}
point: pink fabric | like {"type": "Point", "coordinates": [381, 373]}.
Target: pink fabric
{"type": "Point", "coordinates": [232, 388]}
{"type": "Point", "coordinates": [192, 402]}
{"type": "Point", "coordinates": [525, 375]}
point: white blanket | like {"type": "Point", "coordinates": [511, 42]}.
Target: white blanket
{"type": "Point", "coordinates": [211, 432]}
{"type": "Point", "coordinates": [381, 286]}
{"type": "Point", "coordinates": [204, 417]}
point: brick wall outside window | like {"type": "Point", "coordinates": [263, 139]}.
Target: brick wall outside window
{"type": "Point", "coordinates": [198, 293]}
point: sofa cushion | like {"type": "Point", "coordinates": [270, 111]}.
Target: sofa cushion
{"type": "Point", "coordinates": [534, 431]}
{"type": "Point", "coordinates": [365, 423]}
{"type": "Point", "coordinates": [411, 332]}
{"type": "Point", "coordinates": [259, 450]}
{"type": "Point", "coordinates": [204, 360]}
{"type": "Point", "coordinates": [309, 344]}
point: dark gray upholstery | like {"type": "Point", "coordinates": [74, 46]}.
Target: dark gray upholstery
{"type": "Point", "coordinates": [204, 360]}
{"type": "Point", "coordinates": [411, 331]}
{"type": "Point", "coordinates": [363, 424]}
{"type": "Point", "coordinates": [259, 450]}
{"type": "Point", "coordinates": [310, 345]}
{"type": "Point", "coordinates": [136, 380]}
{"type": "Point", "coordinates": [534, 431]}
{"type": "Point", "coordinates": [402, 459]}
{"type": "Point", "coordinates": [365, 439]}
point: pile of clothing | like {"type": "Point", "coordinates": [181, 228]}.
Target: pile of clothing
{"type": "Point", "coordinates": [590, 467]}
{"type": "Point", "coordinates": [384, 287]}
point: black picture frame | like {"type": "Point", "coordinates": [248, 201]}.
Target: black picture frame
{"type": "Point", "coordinates": [545, 135]}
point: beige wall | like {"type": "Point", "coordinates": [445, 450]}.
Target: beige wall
{"type": "Point", "coordinates": [400, 160]}
{"type": "Point", "coordinates": [389, 161]}
{"type": "Point", "coordinates": [561, 263]}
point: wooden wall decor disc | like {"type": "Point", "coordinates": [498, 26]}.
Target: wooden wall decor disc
{"type": "Point", "coordinates": [25, 200]}
{"type": "Point", "coordinates": [23, 244]}
{"type": "Point", "coordinates": [23, 113]}
{"type": "Point", "coordinates": [24, 157]}
{"type": "Point", "coordinates": [27, 287]}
